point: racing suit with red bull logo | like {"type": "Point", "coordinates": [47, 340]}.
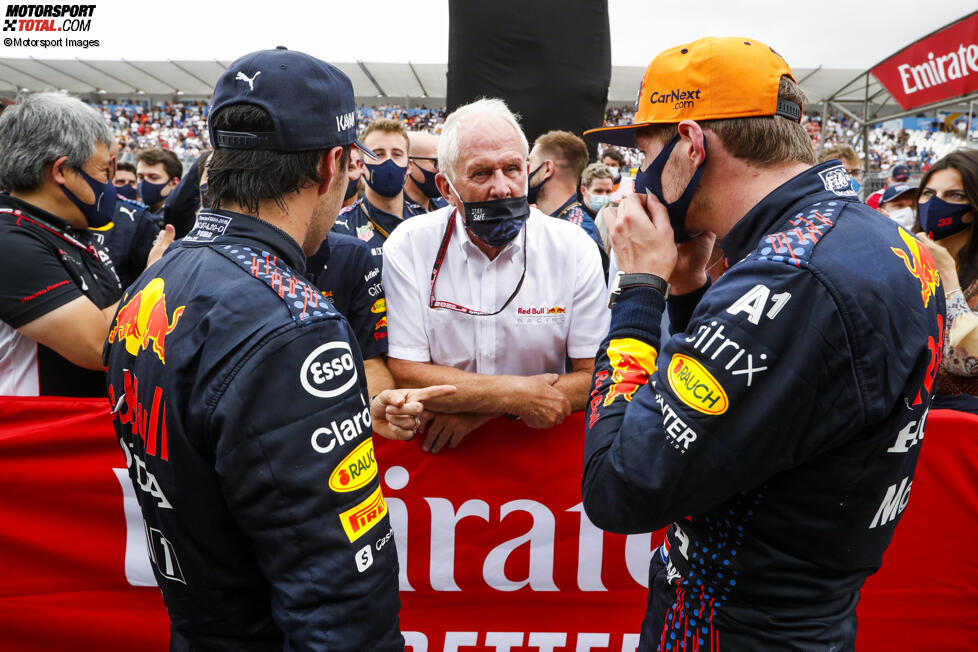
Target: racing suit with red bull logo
{"type": "Point", "coordinates": [240, 403]}
{"type": "Point", "coordinates": [777, 431]}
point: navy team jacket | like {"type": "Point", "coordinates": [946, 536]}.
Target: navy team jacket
{"type": "Point", "coordinates": [241, 405]}
{"type": "Point", "coordinates": [778, 432]}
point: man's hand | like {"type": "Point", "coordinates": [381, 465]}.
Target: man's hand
{"type": "Point", "coordinates": [539, 403]}
{"type": "Point", "coordinates": [163, 240]}
{"type": "Point", "coordinates": [946, 265]}
{"type": "Point", "coordinates": [642, 236]}
{"type": "Point", "coordinates": [396, 413]}
{"type": "Point", "coordinates": [450, 429]}
{"type": "Point", "coordinates": [689, 274]}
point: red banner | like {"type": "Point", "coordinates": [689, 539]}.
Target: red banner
{"type": "Point", "coordinates": [938, 67]}
{"type": "Point", "coordinates": [495, 551]}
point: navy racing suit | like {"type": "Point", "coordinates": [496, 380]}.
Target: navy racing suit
{"type": "Point", "coordinates": [777, 431]}
{"type": "Point", "coordinates": [240, 402]}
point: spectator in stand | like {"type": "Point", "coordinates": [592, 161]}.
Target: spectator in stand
{"type": "Point", "coordinates": [125, 180]}
{"type": "Point", "coordinates": [420, 186]}
{"type": "Point", "coordinates": [897, 203]}
{"type": "Point", "coordinates": [597, 184]}
{"type": "Point", "coordinates": [490, 294]}
{"type": "Point", "coordinates": [615, 160]}
{"type": "Point", "coordinates": [557, 160]}
{"type": "Point", "coordinates": [159, 172]}
{"type": "Point", "coordinates": [899, 175]}
{"type": "Point", "coordinates": [383, 206]}
{"type": "Point", "coordinates": [947, 206]}
{"type": "Point", "coordinates": [58, 291]}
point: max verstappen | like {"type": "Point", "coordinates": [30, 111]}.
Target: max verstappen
{"type": "Point", "coordinates": [777, 430]}
{"type": "Point", "coordinates": [239, 393]}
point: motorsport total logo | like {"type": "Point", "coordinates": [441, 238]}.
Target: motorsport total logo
{"type": "Point", "coordinates": [48, 18]}
{"type": "Point", "coordinates": [43, 25]}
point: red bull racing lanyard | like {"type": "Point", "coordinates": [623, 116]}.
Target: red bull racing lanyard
{"type": "Point", "coordinates": [440, 258]}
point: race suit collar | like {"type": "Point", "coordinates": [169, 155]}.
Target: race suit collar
{"type": "Point", "coordinates": [827, 182]}
{"type": "Point", "coordinates": [227, 227]}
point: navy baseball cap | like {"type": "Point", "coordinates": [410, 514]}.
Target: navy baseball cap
{"type": "Point", "coordinates": [311, 103]}
{"type": "Point", "coordinates": [900, 173]}
{"type": "Point", "coordinates": [894, 191]}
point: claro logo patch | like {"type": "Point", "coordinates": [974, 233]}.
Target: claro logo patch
{"type": "Point", "coordinates": [695, 386]}
{"type": "Point", "coordinates": [329, 370]}
{"type": "Point", "coordinates": [356, 470]}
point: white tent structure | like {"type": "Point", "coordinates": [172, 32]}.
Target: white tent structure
{"type": "Point", "coordinates": [408, 83]}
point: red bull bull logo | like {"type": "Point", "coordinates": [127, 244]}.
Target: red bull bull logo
{"type": "Point", "coordinates": [143, 321]}
{"type": "Point", "coordinates": [632, 362]}
{"type": "Point", "coordinates": [920, 265]}
{"type": "Point", "coordinates": [557, 310]}
{"type": "Point", "coordinates": [381, 323]}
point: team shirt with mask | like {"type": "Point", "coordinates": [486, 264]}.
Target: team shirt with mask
{"type": "Point", "coordinates": [44, 264]}
{"type": "Point", "coordinates": [129, 237]}
{"type": "Point", "coordinates": [365, 221]}
{"type": "Point", "coordinates": [560, 310]}
{"type": "Point", "coordinates": [349, 277]}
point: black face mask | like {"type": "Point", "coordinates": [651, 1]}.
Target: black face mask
{"type": "Point", "coordinates": [428, 186]}
{"type": "Point", "coordinates": [496, 221]}
{"type": "Point", "coordinates": [650, 180]}
{"type": "Point", "coordinates": [532, 191]}
{"type": "Point", "coordinates": [351, 188]}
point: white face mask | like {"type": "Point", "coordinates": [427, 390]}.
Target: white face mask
{"type": "Point", "coordinates": [597, 201]}
{"type": "Point", "coordinates": [902, 216]}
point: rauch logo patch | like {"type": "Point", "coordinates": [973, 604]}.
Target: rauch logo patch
{"type": "Point", "coordinates": [695, 386]}
{"type": "Point", "coordinates": [356, 470]}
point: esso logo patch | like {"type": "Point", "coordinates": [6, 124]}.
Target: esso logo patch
{"type": "Point", "coordinates": [329, 370]}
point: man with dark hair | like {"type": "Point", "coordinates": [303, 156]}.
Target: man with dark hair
{"type": "Point", "coordinates": [776, 431]}
{"type": "Point", "coordinates": [383, 205]}
{"type": "Point", "coordinates": [238, 389]}
{"type": "Point", "coordinates": [58, 289]}
{"type": "Point", "coordinates": [159, 172]}
{"type": "Point", "coordinates": [125, 180]}
{"type": "Point", "coordinates": [615, 161]}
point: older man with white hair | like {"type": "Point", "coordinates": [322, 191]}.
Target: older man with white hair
{"type": "Point", "coordinates": [488, 294]}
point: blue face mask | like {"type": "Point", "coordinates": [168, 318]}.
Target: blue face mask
{"type": "Point", "coordinates": [351, 188]}
{"type": "Point", "coordinates": [100, 213]}
{"type": "Point", "coordinates": [855, 184]}
{"type": "Point", "coordinates": [651, 179]}
{"type": "Point", "coordinates": [151, 193]}
{"type": "Point", "coordinates": [428, 186]}
{"type": "Point", "coordinates": [496, 222]}
{"type": "Point", "coordinates": [532, 191]}
{"type": "Point", "coordinates": [940, 219]}
{"type": "Point", "coordinates": [597, 202]}
{"type": "Point", "coordinates": [387, 178]}
{"type": "Point", "coordinates": [127, 191]}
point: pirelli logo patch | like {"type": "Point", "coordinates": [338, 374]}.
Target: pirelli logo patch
{"type": "Point", "coordinates": [358, 520]}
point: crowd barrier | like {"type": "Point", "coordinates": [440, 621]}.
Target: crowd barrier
{"type": "Point", "coordinates": [495, 550]}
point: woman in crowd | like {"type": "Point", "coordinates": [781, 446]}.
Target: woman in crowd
{"type": "Point", "coordinates": [946, 209]}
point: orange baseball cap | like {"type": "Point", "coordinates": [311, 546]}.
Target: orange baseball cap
{"type": "Point", "coordinates": [709, 79]}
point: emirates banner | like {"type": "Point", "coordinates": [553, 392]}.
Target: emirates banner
{"type": "Point", "coordinates": [938, 67]}
{"type": "Point", "coordinates": [495, 551]}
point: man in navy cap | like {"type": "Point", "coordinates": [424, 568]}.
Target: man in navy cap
{"type": "Point", "coordinates": [239, 396]}
{"type": "Point", "coordinates": [897, 202]}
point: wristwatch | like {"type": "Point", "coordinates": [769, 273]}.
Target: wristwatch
{"type": "Point", "coordinates": [624, 281]}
